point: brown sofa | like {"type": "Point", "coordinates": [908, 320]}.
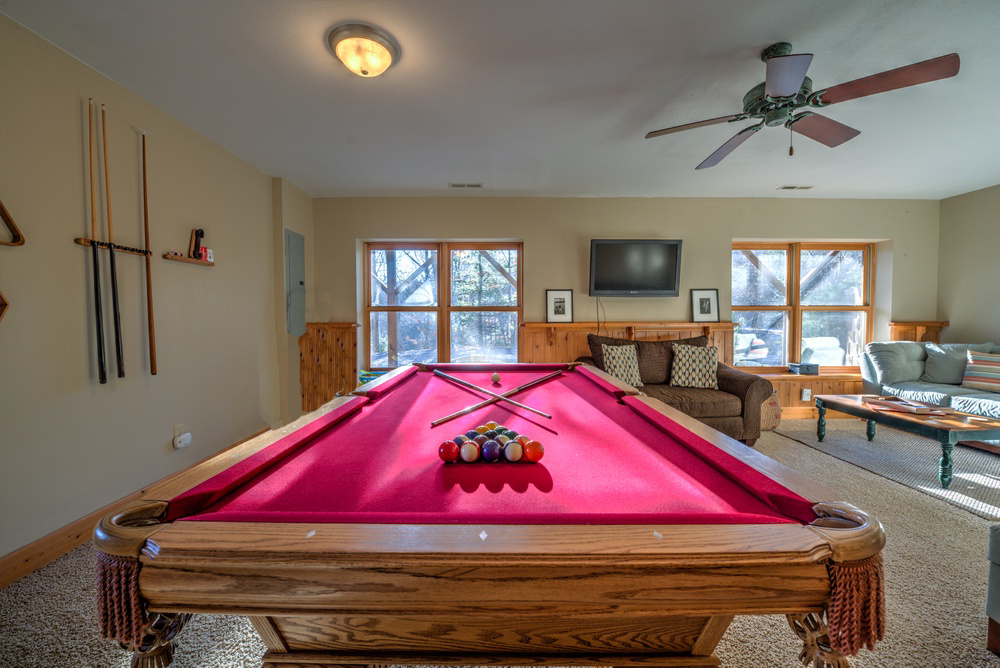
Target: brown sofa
{"type": "Point", "coordinates": [733, 409]}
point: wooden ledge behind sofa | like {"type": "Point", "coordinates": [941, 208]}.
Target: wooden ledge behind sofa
{"type": "Point", "coordinates": [565, 341]}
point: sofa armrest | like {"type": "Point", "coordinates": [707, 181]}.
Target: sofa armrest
{"type": "Point", "coordinates": [752, 390]}
{"type": "Point", "coordinates": [869, 378]}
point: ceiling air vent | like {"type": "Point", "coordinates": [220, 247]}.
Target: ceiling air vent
{"type": "Point", "coordinates": [795, 188]}
{"type": "Point", "coordinates": [465, 185]}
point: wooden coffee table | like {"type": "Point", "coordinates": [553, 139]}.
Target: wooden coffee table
{"type": "Point", "coordinates": [945, 429]}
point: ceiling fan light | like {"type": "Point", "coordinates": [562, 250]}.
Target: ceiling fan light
{"type": "Point", "coordinates": [363, 49]}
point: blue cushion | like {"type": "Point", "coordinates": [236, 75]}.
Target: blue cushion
{"type": "Point", "coordinates": [981, 403]}
{"type": "Point", "coordinates": [897, 361]}
{"type": "Point", "coordinates": [946, 361]}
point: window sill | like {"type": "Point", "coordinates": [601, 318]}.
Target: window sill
{"type": "Point", "coordinates": [782, 374]}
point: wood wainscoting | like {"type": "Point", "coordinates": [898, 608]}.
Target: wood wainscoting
{"type": "Point", "coordinates": [328, 362]}
{"type": "Point", "coordinates": [789, 387]}
{"type": "Point", "coordinates": [924, 331]}
{"type": "Point", "coordinates": [565, 341]}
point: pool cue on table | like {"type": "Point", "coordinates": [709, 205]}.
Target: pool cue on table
{"type": "Point", "coordinates": [102, 365]}
{"type": "Point", "coordinates": [149, 279]}
{"type": "Point", "coordinates": [437, 372]}
{"type": "Point", "coordinates": [119, 353]}
{"type": "Point", "coordinates": [508, 393]}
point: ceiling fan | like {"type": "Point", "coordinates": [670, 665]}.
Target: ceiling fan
{"type": "Point", "coordinates": [787, 89]}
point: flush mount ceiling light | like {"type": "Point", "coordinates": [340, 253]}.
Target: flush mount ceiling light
{"type": "Point", "coordinates": [364, 49]}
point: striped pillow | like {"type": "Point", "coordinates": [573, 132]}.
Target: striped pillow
{"type": "Point", "coordinates": [982, 372]}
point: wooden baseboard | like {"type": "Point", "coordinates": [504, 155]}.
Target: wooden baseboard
{"type": "Point", "coordinates": [28, 559]}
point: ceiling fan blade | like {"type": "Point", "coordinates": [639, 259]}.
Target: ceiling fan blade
{"type": "Point", "coordinates": [729, 146]}
{"type": "Point", "coordinates": [691, 126]}
{"type": "Point", "coordinates": [941, 67]}
{"type": "Point", "coordinates": [785, 74]}
{"type": "Point", "coordinates": [824, 130]}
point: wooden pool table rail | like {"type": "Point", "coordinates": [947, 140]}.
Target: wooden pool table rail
{"type": "Point", "coordinates": [601, 595]}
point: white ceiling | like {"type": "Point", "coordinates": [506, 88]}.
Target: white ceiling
{"type": "Point", "coordinates": [552, 97]}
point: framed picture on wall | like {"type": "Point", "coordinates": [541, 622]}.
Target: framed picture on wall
{"type": "Point", "coordinates": [558, 306]}
{"type": "Point", "coordinates": [705, 305]}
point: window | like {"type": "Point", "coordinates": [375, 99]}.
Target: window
{"type": "Point", "coordinates": [442, 302]}
{"type": "Point", "coordinates": [802, 302]}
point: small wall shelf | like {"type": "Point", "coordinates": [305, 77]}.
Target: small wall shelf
{"type": "Point", "coordinates": [177, 257]}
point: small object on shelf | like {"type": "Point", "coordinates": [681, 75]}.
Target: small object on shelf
{"type": "Point", "coordinates": [179, 257]}
{"type": "Point", "coordinates": [194, 248]}
{"type": "Point", "coordinates": [804, 369]}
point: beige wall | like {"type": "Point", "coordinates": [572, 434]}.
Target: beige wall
{"type": "Point", "coordinates": [67, 444]}
{"type": "Point", "coordinates": [557, 233]}
{"type": "Point", "coordinates": [292, 211]}
{"type": "Point", "coordinates": [969, 261]}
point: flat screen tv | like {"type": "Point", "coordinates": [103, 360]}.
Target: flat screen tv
{"type": "Point", "coordinates": [635, 267]}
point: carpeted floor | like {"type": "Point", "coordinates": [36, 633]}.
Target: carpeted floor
{"type": "Point", "coordinates": [911, 460]}
{"type": "Point", "coordinates": [935, 571]}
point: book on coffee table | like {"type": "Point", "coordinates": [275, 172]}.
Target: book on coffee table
{"type": "Point", "coordinates": [901, 405]}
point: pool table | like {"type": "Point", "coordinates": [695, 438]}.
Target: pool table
{"type": "Point", "coordinates": [634, 541]}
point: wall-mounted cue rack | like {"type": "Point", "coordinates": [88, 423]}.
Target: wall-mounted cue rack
{"type": "Point", "coordinates": [96, 245]}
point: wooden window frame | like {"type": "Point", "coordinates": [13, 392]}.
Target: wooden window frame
{"type": "Point", "coordinates": [443, 308]}
{"type": "Point", "coordinates": [795, 309]}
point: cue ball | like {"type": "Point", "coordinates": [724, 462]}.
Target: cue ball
{"type": "Point", "coordinates": [448, 451]}
{"type": "Point", "coordinates": [512, 451]}
{"type": "Point", "coordinates": [470, 451]}
{"type": "Point", "coordinates": [491, 451]}
{"type": "Point", "coordinates": [495, 378]}
{"type": "Point", "coordinates": [533, 451]}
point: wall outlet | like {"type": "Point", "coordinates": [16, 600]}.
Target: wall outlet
{"type": "Point", "coordinates": [807, 394]}
{"type": "Point", "coordinates": [182, 440]}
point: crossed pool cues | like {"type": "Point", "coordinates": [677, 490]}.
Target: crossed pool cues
{"type": "Point", "coordinates": [494, 397]}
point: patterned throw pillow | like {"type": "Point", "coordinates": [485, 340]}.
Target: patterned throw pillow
{"type": "Point", "coordinates": [622, 363]}
{"type": "Point", "coordinates": [982, 372]}
{"type": "Point", "coordinates": [695, 367]}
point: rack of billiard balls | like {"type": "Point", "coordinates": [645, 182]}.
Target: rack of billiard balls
{"type": "Point", "coordinates": [491, 442]}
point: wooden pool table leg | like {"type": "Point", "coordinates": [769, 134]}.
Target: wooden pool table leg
{"type": "Point", "coordinates": [816, 648]}
{"type": "Point", "coordinates": [156, 649]}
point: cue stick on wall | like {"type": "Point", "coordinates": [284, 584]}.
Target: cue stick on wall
{"type": "Point", "coordinates": [111, 251]}
{"type": "Point", "coordinates": [149, 279]}
{"type": "Point", "coordinates": [102, 366]}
